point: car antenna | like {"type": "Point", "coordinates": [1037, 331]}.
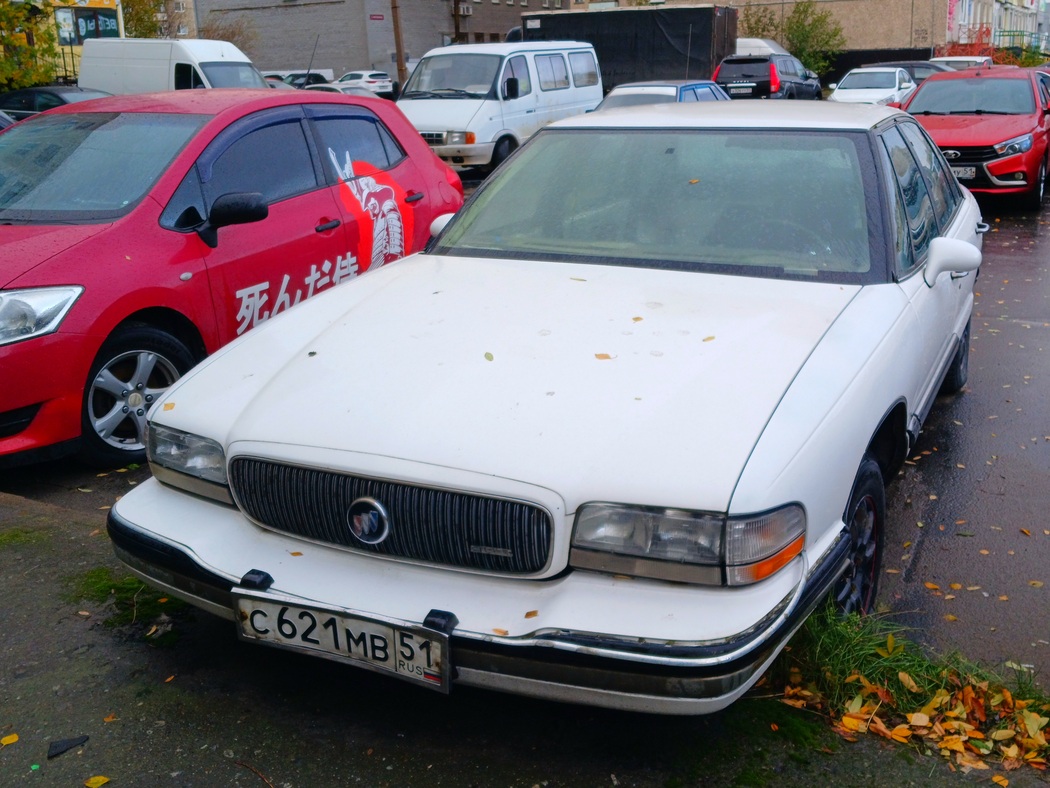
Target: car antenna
{"type": "Point", "coordinates": [309, 67]}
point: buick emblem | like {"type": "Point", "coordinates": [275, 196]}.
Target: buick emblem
{"type": "Point", "coordinates": [369, 523]}
{"type": "Point", "coordinates": [952, 154]}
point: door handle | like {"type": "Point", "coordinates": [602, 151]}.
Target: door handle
{"type": "Point", "coordinates": [321, 228]}
{"type": "Point", "coordinates": [414, 197]}
{"type": "Point", "coordinates": [982, 228]}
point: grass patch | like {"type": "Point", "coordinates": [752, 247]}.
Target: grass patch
{"type": "Point", "coordinates": [131, 600]}
{"type": "Point", "coordinates": [16, 537]}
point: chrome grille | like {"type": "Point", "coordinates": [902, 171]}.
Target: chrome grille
{"type": "Point", "coordinates": [968, 156]}
{"type": "Point", "coordinates": [426, 525]}
{"type": "Point", "coordinates": [433, 137]}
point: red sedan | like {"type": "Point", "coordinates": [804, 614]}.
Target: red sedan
{"type": "Point", "coordinates": [138, 234]}
{"type": "Point", "coordinates": [991, 123]}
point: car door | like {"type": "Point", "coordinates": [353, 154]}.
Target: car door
{"type": "Point", "coordinates": [260, 269]}
{"type": "Point", "coordinates": [929, 204]}
{"type": "Point", "coordinates": [384, 198]}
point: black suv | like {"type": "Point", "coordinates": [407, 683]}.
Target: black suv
{"type": "Point", "coordinates": [770, 76]}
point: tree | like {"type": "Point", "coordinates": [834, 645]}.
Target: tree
{"type": "Point", "coordinates": [28, 44]}
{"type": "Point", "coordinates": [238, 30]}
{"type": "Point", "coordinates": [141, 18]}
{"type": "Point", "coordinates": [758, 22]}
{"type": "Point", "coordinates": [813, 36]}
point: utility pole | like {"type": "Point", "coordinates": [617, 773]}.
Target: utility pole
{"type": "Point", "coordinates": [399, 48]}
{"type": "Point", "coordinates": [455, 21]}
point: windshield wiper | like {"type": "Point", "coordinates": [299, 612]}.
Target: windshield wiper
{"type": "Point", "coordinates": [927, 112]}
{"type": "Point", "coordinates": [459, 92]}
{"type": "Point", "coordinates": [419, 94]}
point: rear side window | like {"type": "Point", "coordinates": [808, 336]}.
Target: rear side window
{"type": "Point", "coordinates": [552, 72]}
{"type": "Point", "coordinates": [942, 194]}
{"type": "Point", "coordinates": [584, 69]}
{"type": "Point", "coordinates": [361, 138]}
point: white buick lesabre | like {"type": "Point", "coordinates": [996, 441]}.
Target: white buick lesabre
{"type": "Point", "coordinates": [610, 439]}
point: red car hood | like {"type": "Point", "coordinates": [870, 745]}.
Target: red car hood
{"type": "Point", "coordinates": [25, 247]}
{"type": "Point", "coordinates": [950, 131]}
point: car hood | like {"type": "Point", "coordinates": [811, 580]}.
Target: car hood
{"type": "Point", "coordinates": [597, 382]}
{"type": "Point", "coordinates": [440, 114]}
{"type": "Point", "coordinates": [25, 247]}
{"type": "Point", "coordinates": [975, 130]}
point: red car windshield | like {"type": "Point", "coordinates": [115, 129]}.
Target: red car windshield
{"type": "Point", "coordinates": [84, 167]}
{"type": "Point", "coordinates": [975, 96]}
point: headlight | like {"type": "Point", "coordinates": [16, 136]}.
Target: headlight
{"type": "Point", "coordinates": [1016, 145]}
{"type": "Point", "coordinates": [188, 461]}
{"type": "Point", "coordinates": [31, 313]}
{"type": "Point", "coordinates": [460, 138]}
{"type": "Point", "coordinates": [686, 546]}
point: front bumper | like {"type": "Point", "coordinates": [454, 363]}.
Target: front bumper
{"type": "Point", "coordinates": [520, 636]}
{"type": "Point", "coordinates": [479, 155]}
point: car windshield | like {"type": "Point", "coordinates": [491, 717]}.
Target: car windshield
{"type": "Point", "coordinates": [453, 76]}
{"type": "Point", "coordinates": [755, 203]}
{"type": "Point", "coordinates": [233, 75]}
{"type": "Point", "coordinates": [974, 96]}
{"type": "Point", "coordinates": [85, 167]}
{"type": "Point", "coordinates": [867, 80]}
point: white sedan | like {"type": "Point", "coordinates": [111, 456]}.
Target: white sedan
{"type": "Point", "coordinates": [873, 85]}
{"type": "Point", "coordinates": [610, 439]}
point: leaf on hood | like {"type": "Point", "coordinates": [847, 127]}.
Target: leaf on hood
{"type": "Point", "coordinates": [489, 357]}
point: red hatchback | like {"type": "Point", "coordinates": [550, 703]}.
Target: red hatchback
{"type": "Point", "coordinates": [991, 123]}
{"type": "Point", "coordinates": [140, 233]}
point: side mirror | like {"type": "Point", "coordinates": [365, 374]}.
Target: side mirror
{"type": "Point", "coordinates": [232, 208]}
{"type": "Point", "coordinates": [833, 85]}
{"type": "Point", "coordinates": [510, 88]}
{"type": "Point", "coordinates": [950, 254]}
{"type": "Point", "coordinates": [439, 223]}
{"type": "Point", "coordinates": [395, 91]}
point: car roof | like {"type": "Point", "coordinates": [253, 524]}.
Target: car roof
{"type": "Point", "coordinates": [207, 102]}
{"type": "Point", "coordinates": [986, 72]}
{"type": "Point", "coordinates": [796, 115]}
{"type": "Point", "coordinates": [665, 83]}
{"type": "Point", "coordinates": [906, 63]}
{"type": "Point", "coordinates": [876, 70]}
{"type": "Point", "coordinates": [506, 48]}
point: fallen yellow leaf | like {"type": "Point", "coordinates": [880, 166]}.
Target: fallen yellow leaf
{"type": "Point", "coordinates": [532, 614]}
{"type": "Point", "coordinates": [708, 339]}
{"type": "Point", "coordinates": [932, 586]}
{"type": "Point", "coordinates": [1026, 532]}
{"type": "Point", "coordinates": [96, 782]}
{"type": "Point", "coordinates": [1035, 583]}
{"type": "Point", "coordinates": [950, 617]}
{"type": "Point", "coordinates": [489, 357]}
{"type": "Point", "coordinates": [955, 586]}
{"type": "Point", "coordinates": [919, 720]}
{"type": "Point", "coordinates": [908, 682]}
{"type": "Point", "coordinates": [110, 718]}
{"type": "Point", "coordinates": [11, 738]}
{"type": "Point", "coordinates": [1000, 780]}
{"type": "Point", "coordinates": [169, 406]}
{"type": "Point", "coordinates": [599, 356]}
{"type": "Point", "coordinates": [501, 632]}
{"type": "Point", "coordinates": [1003, 735]}
{"type": "Point", "coordinates": [169, 679]}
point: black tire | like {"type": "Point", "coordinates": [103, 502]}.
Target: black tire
{"type": "Point", "coordinates": [504, 147]}
{"type": "Point", "coordinates": [1033, 200]}
{"type": "Point", "coordinates": [865, 520]}
{"type": "Point", "coordinates": [132, 368]}
{"type": "Point", "coordinates": [959, 370]}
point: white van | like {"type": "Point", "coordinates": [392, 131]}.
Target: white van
{"type": "Point", "coordinates": [759, 46]}
{"type": "Point", "coordinates": [147, 65]}
{"type": "Point", "coordinates": [475, 103]}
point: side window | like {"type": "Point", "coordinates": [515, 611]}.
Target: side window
{"type": "Point", "coordinates": [187, 77]}
{"type": "Point", "coordinates": [552, 72]}
{"type": "Point", "coordinates": [273, 160]}
{"type": "Point", "coordinates": [584, 69]}
{"type": "Point", "coordinates": [47, 101]}
{"type": "Point", "coordinates": [518, 67]}
{"type": "Point", "coordinates": [362, 138]}
{"type": "Point", "coordinates": [902, 257]}
{"type": "Point", "coordinates": [688, 95]}
{"type": "Point", "coordinates": [185, 210]}
{"type": "Point", "coordinates": [786, 65]}
{"type": "Point", "coordinates": [942, 194]}
{"type": "Point", "coordinates": [705, 94]}
{"type": "Point", "coordinates": [921, 222]}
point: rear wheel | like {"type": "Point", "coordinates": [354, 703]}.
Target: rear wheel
{"type": "Point", "coordinates": [133, 367]}
{"type": "Point", "coordinates": [959, 370]}
{"type": "Point", "coordinates": [504, 147]}
{"type": "Point", "coordinates": [865, 522]}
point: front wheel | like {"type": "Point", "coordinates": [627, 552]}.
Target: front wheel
{"type": "Point", "coordinates": [865, 519]}
{"type": "Point", "coordinates": [500, 152]}
{"type": "Point", "coordinates": [133, 367]}
{"type": "Point", "coordinates": [1034, 198]}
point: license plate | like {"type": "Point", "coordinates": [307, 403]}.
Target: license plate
{"type": "Point", "coordinates": [734, 91]}
{"type": "Point", "coordinates": [405, 650]}
{"type": "Point", "coordinates": [964, 173]}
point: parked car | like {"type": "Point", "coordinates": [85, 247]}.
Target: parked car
{"type": "Point", "coordinates": [613, 454]}
{"type": "Point", "coordinates": [337, 87]}
{"type": "Point", "coordinates": [277, 81]}
{"type": "Point", "coordinates": [123, 261]}
{"type": "Point", "coordinates": [771, 76]}
{"type": "Point", "coordinates": [960, 62]}
{"type": "Point", "coordinates": [873, 86]}
{"type": "Point", "coordinates": [29, 101]}
{"type": "Point", "coordinates": [376, 81]}
{"type": "Point", "coordinates": [300, 79]}
{"type": "Point", "coordinates": [992, 125]}
{"type": "Point", "coordinates": [631, 94]}
{"type": "Point", "coordinates": [918, 69]}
